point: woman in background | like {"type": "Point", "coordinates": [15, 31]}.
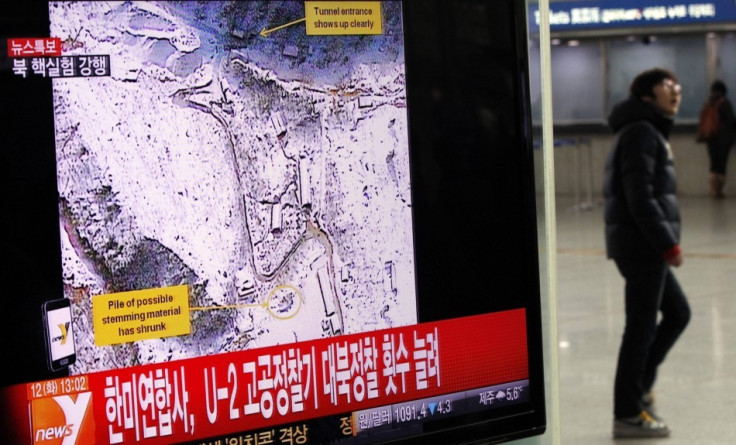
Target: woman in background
{"type": "Point", "coordinates": [720, 143]}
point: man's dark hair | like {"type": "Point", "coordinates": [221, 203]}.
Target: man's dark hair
{"type": "Point", "coordinates": [644, 83]}
{"type": "Point", "coordinates": [718, 87]}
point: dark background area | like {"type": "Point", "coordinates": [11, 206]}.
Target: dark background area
{"type": "Point", "coordinates": [472, 176]}
{"type": "Point", "coordinates": [472, 161]}
{"type": "Point", "coordinates": [31, 270]}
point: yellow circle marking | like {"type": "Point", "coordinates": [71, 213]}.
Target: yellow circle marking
{"type": "Point", "coordinates": [272, 294]}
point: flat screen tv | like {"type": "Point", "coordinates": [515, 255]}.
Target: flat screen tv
{"type": "Point", "coordinates": [279, 222]}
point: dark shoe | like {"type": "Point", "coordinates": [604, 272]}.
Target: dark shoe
{"type": "Point", "coordinates": [717, 182]}
{"type": "Point", "coordinates": [713, 185]}
{"type": "Point", "coordinates": [721, 183]}
{"type": "Point", "coordinates": [641, 426]}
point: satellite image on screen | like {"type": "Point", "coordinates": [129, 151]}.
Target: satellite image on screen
{"type": "Point", "coordinates": [225, 149]}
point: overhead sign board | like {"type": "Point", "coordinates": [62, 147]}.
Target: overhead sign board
{"type": "Point", "coordinates": [612, 14]}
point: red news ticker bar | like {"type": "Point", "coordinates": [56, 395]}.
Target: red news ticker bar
{"type": "Point", "coordinates": [473, 352]}
{"type": "Point", "coordinates": [34, 47]}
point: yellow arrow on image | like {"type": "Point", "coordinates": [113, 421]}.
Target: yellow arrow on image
{"type": "Point", "coordinates": [265, 32]}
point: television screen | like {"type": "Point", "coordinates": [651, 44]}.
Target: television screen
{"type": "Point", "coordinates": [269, 222]}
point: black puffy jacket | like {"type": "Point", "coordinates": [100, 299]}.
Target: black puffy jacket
{"type": "Point", "coordinates": [642, 216]}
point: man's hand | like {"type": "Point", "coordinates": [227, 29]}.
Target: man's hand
{"type": "Point", "coordinates": [675, 261]}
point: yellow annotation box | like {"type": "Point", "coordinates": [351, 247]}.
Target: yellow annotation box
{"type": "Point", "coordinates": [141, 315]}
{"type": "Point", "coordinates": [343, 18]}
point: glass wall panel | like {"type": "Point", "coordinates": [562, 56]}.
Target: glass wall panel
{"type": "Point", "coordinates": [577, 78]}
{"type": "Point", "coordinates": [685, 55]}
{"type": "Point", "coordinates": [726, 66]}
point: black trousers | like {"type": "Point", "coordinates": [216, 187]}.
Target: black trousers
{"type": "Point", "coordinates": [718, 156]}
{"type": "Point", "coordinates": [650, 288]}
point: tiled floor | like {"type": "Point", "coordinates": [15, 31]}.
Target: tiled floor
{"type": "Point", "coordinates": [696, 387]}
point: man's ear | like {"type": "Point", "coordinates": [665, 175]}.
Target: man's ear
{"type": "Point", "coordinates": [649, 99]}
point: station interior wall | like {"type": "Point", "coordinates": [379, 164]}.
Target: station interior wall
{"type": "Point", "coordinates": [590, 77]}
{"type": "Point", "coordinates": [579, 165]}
